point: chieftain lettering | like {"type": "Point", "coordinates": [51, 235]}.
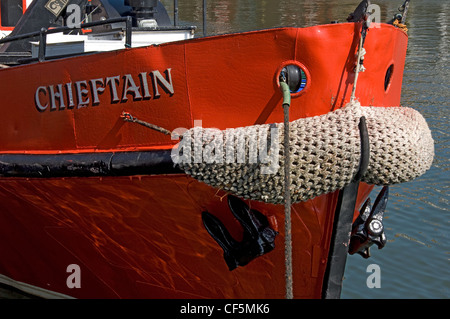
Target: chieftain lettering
{"type": "Point", "coordinates": [121, 88]}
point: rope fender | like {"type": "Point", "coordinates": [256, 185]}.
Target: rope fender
{"type": "Point", "coordinates": [324, 151]}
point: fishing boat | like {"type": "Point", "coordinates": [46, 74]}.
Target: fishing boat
{"type": "Point", "coordinates": [138, 160]}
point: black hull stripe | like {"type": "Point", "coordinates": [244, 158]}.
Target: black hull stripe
{"type": "Point", "coordinates": [87, 164]}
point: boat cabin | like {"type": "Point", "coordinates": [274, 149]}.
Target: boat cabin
{"type": "Point", "coordinates": [10, 13]}
{"type": "Point", "coordinates": [53, 29]}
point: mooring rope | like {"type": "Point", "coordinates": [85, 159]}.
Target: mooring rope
{"type": "Point", "coordinates": [287, 192]}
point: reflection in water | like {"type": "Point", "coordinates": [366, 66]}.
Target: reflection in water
{"type": "Point", "coordinates": [244, 15]}
{"type": "Point", "coordinates": [415, 262]}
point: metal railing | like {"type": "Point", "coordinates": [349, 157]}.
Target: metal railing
{"type": "Point", "coordinates": [42, 34]}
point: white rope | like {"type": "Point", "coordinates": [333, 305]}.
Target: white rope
{"type": "Point", "coordinates": [359, 66]}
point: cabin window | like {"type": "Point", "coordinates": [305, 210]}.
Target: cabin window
{"type": "Point", "coordinates": [11, 12]}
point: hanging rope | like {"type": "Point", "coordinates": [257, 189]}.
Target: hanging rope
{"type": "Point", "coordinates": [287, 192]}
{"type": "Point", "coordinates": [404, 10]}
{"type": "Point", "coordinates": [360, 58]}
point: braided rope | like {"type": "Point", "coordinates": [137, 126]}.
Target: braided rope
{"type": "Point", "coordinates": [325, 153]}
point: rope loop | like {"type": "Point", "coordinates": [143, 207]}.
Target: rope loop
{"type": "Point", "coordinates": [400, 26]}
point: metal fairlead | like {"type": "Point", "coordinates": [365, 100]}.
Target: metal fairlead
{"type": "Point", "coordinates": [294, 77]}
{"type": "Point", "coordinates": [368, 227]}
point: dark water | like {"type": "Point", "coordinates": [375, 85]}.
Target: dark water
{"type": "Point", "coordinates": [415, 262]}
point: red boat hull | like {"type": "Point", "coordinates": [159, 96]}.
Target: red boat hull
{"type": "Point", "coordinates": [142, 236]}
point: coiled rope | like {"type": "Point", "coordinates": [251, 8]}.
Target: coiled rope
{"type": "Point", "coordinates": [401, 26]}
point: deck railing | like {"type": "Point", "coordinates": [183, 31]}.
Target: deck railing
{"type": "Point", "coordinates": [42, 34]}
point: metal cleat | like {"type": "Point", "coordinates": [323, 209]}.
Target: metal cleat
{"type": "Point", "coordinates": [368, 228]}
